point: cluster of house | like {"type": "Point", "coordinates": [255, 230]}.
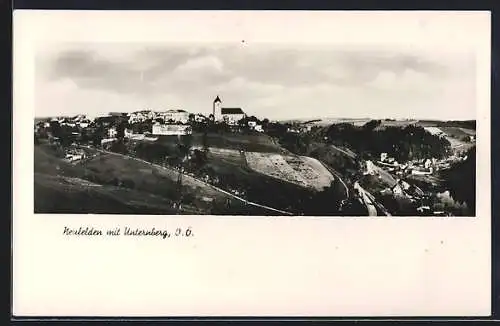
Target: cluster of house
{"type": "Point", "coordinates": [415, 167]}
{"type": "Point", "coordinates": [73, 155]}
{"type": "Point", "coordinates": [171, 122]}
{"type": "Point", "coordinates": [81, 121]}
{"type": "Point", "coordinates": [425, 166]}
{"type": "Point", "coordinates": [169, 116]}
{"type": "Point", "coordinates": [300, 128]}
{"type": "Point", "coordinates": [403, 188]}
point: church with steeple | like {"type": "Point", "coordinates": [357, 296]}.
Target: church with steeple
{"type": "Point", "coordinates": [216, 108]}
{"type": "Point", "coordinates": [231, 116]}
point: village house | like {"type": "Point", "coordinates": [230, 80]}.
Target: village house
{"type": "Point", "coordinates": [141, 116]}
{"type": "Point", "coordinates": [84, 123]}
{"type": "Point", "coordinates": [67, 122]}
{"type": "Point", "coordinates": [112, 132]}
{"type": "Point", "coordinates": [400, 188]}
{"type": "Point", "coordinates": [180, 116]}
{"type": "Point", "coordinates": [199, 117]}
{"type": "Point", "coordinates": [74, 155]}
{"type": "Point", "coordinates": [131, 135]}
{"type": "Point", "coordinates": [370, 168]}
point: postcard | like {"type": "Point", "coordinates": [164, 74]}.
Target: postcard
{"type": "Point", "coordinates": [251, 163]}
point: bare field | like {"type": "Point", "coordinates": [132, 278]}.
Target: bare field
{"type": "Point", "coordinates": [301, 170]}
{"type": "Point", "coordinates": [228, 155]}
{"type": "Point", "coordinates": [459, 146]}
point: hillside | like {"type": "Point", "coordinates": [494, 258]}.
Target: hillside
{"type": "Point", "coordinates": [113, 184]}
{"type": "Point", "coordinates": [295, 182]}
{"type": "Point", "coordinates": [251, 142]}
{"type": "Point", "coordinates": [56, 194]}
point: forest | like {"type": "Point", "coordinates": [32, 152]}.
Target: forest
{"type": "Point", "coordinates": [403, 143]}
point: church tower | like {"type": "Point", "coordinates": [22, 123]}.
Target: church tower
{"type": "Point", "coordinates": [217, 108]}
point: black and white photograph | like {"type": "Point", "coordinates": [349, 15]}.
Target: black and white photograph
{"type": "Point", "coordinates": [251, 163]}
{"type": "Point", "coordinates": [254, 129]}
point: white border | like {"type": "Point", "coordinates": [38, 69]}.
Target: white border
{"type": "Point", "coordinates": [237, 266]}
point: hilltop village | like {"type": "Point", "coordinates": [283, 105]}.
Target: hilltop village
{"type": "Point", "coordinates": [230, 162]}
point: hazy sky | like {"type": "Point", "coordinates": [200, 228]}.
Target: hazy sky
{"type": "Point", "coordinates": [267, 80]}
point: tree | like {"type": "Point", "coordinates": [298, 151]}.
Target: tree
{"type": "Point", "coordinates": [372, 124]}
{"type": "Point", "coordinates": [460, 179]}
{"type": "Point", "coordinates": [199, 158]}
{"type": "Point", "coordinates": [120, 129]}
{"type": "Point", "coordinates": [55, 128]}
{"type": "Point", "coordinates": [205, 141]}
{"type": "Point", "coordinates": [98, 135]}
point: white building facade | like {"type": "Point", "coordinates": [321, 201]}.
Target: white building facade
{"type": "Point", "coordinates": [180, 116]}
{"type": "Point", "coordinates": [171, 130]}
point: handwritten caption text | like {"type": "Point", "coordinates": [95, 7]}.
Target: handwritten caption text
{"type": "Point", "coordinates": [129, 231]}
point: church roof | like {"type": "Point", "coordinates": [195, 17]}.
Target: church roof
{"type": "Point", "coordinates": [217, 99]}
{"type": "Point", "coordinates": [231, 111]}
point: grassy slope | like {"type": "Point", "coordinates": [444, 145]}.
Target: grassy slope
{"type": "Point", "coordinates": [147, 190]}
{"type": "Point", "coordinates": [254, 142]}
{"type": "Point", "coordinates": [235, 173]}
{"type": "Point", "coordinates": [55, 194]}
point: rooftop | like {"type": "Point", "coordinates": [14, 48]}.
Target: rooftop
{"type": "Point", "coordinates": [178, 111]}
{"type": "Point", "coordinates": [232, 111]}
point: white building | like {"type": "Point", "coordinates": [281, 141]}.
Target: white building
{"type": "Point", "coordinates": [74, 157]}
{"type": "Point", "coordinates": [140, 116]}
{"type": "Point", "coordinates": [176, 116]}
{"type": "Point", "coordinates": [112, 132]}
{"type": "Point", "coordinates": [199, 117]}
{"type": "Point", "coordinates": [231, 116]}
{"type": "Point", "coordinates": [370, 168]}
{"type": "Point", "coordinates": [172, 129]}
{"type": "Point", "coordinates": [131, 135]}
{"type": "Point", "coordinates": [422, 171]}
{"type": "Point", "coordinates": [107, 140]}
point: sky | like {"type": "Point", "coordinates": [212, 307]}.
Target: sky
{"type": "Point", "coordinates": [268, 80]}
